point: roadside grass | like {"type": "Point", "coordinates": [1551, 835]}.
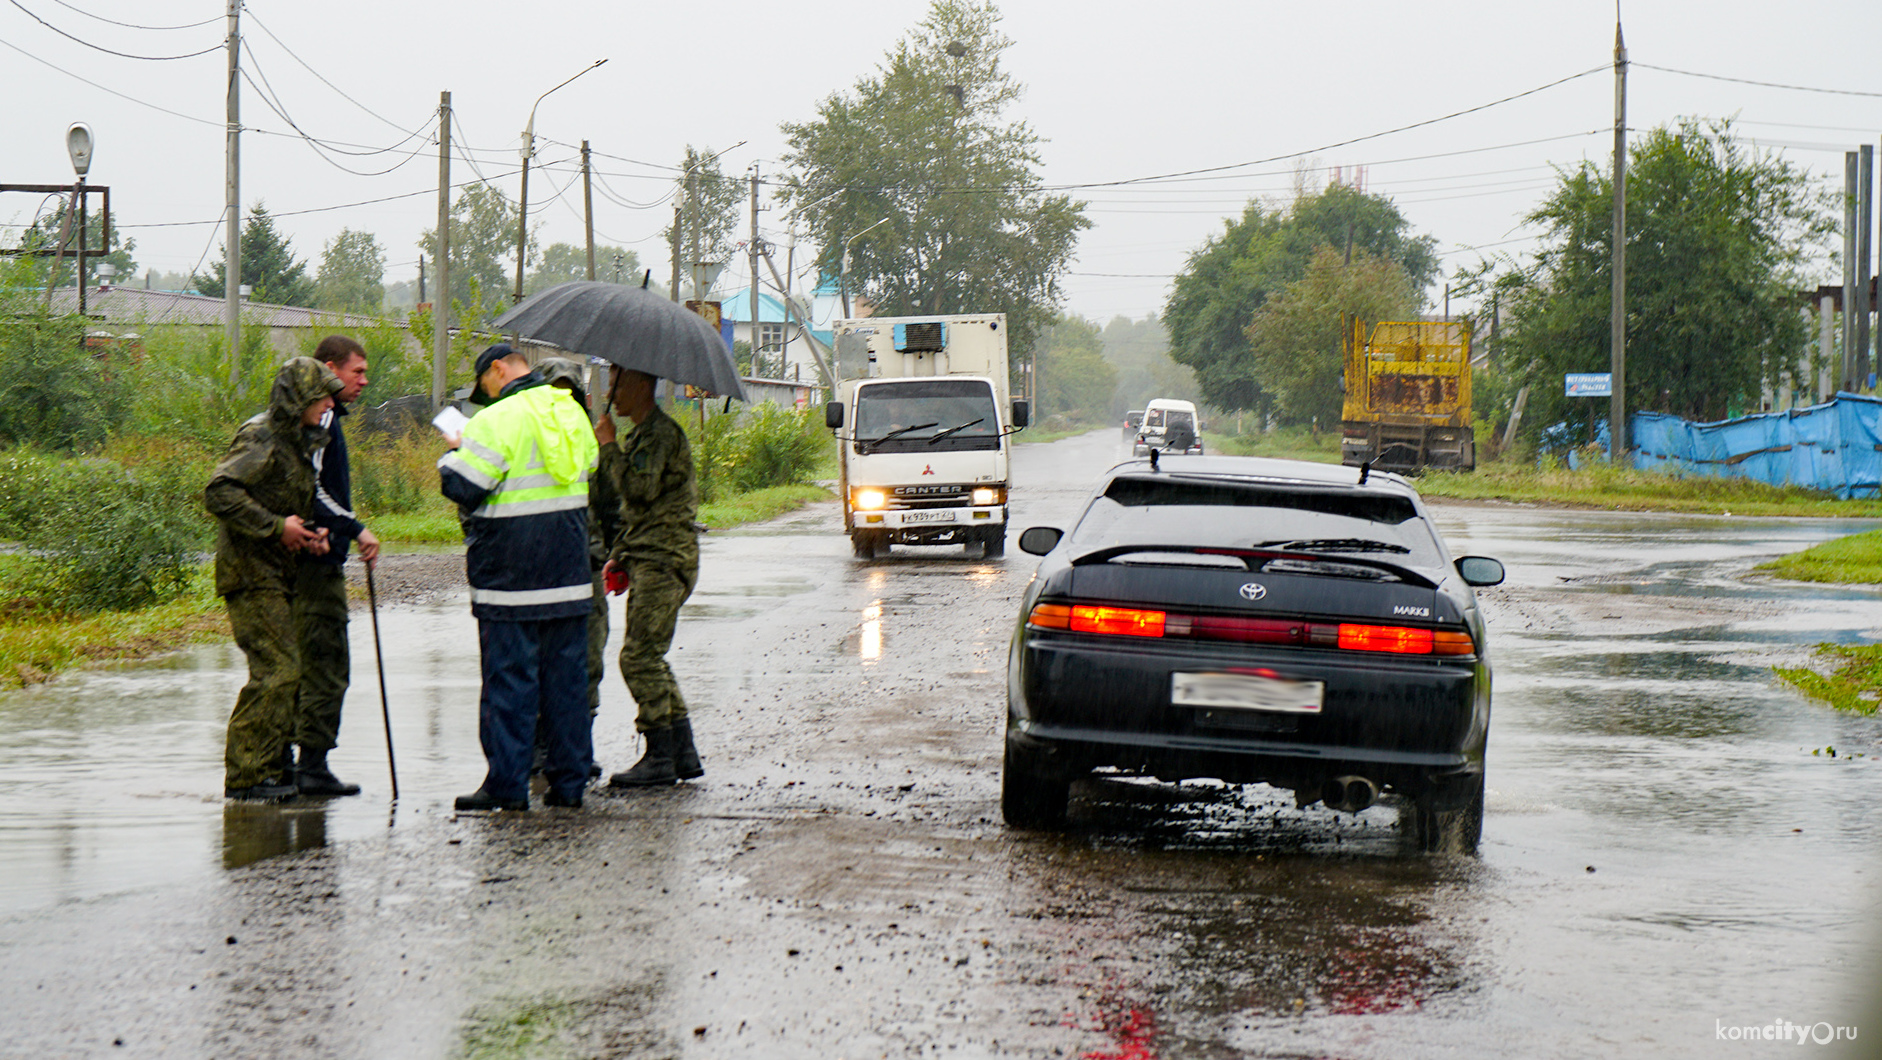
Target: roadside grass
{"type": "Point", "coordinates": [1855, 560]}
{"type": "Point", "coordinates": [755, 506]}
{"type": "Point", "coordinates": [36, 644]}
{"type": "Point", "coordinates": [1286, 443]}
{"type": "Point", "coordinates": [1854, 686]}
{"type": "Point", "coordinates": [1624, 489]}
{"type": "Point", "coordinates": [1038, 436]}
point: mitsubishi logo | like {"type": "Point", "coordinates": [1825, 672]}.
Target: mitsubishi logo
{"type": "Point", "coordinates": [1254, 591]}
{"type": "Point", "coordinates": [927, 469]}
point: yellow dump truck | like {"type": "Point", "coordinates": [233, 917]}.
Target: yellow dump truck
{"type": "Point", "coordinates": [1407, 401]}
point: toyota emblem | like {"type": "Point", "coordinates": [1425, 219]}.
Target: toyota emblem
{"type": "Point", "coordinates": [1254, 591]}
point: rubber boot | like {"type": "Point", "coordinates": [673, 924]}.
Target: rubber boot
{"type": "Point", "coordinates": [654, 768]}
{"type": "Point", "coordinates": [686, 764]}
{"type": "Point", "coordinates": [313, 777]}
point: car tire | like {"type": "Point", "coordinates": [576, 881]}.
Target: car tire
{"type": "Point", "coordinates": [1029, 799]}
{"type": "Point", "coordinates": [1448, 817]}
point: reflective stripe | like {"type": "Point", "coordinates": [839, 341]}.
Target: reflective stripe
{"type": "Point", "coordinates": [547, 504]}
{"type": "Point", "coordinates": [531, 597]}
{"type": "Point", "coordinates": [484, 452]}
{"type": "Point", "coordinates": [516, 483]}
{"type": "Point", "coordinates": [476, 476]}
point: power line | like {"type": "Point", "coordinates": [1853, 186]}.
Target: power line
{"type": "Point", "coordinates": [112, 91]}
{"type": "Point", "coordinates": [133, 25]}
{"type": "Point", "coordinates": [318, 74]}
{"type": "Point", "coordinates": [1760, 84]}
{"type": "Point", "coordinates": [108, 51]}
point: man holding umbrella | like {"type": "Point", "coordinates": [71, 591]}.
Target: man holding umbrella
{"type": "Point", "coordinates": [657, 557]}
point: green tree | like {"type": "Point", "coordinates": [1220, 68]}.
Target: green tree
{"type": "Point", "coordinates": [708, 203]}
{"type": "Point", "coordinates": [1719, 238]}
{"type": "Point", "coordinates": [1074, 377]}
{"type": "Point", "coordinates": [268, 266]}
{"type": "Point", "coordinates": [1233, 274]}
{"type": "Point", "coordinates": [44, 233]}
{"type": "Point", "coordinates": [562, 262]}
{"type": "Point", "coordinates": [923, 142]}
{"type": "Point", "coordinates": [483, 249]}
{"type": "Point", "coordinates": [1296, 337]}
{"type": "Point", "coordinates": [1140, 351]}
{"type": "Point", "coordinates": [352, 273]}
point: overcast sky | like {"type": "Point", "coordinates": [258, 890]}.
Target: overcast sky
{"type": "Point", "coordinates": [1120, 91]}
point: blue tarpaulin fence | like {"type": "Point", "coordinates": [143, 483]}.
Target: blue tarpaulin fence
{"type": "Point", "coordinates": [1835, 446]}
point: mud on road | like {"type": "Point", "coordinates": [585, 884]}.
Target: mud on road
{"type": "Point", "coordinates": [1661, 847]}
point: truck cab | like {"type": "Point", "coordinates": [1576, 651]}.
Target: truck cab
{"type": "Point", "coordinates": [923, 424]}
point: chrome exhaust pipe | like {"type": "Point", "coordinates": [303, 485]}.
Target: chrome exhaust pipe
{"type": "Point", "coordinates": [1349, 793]}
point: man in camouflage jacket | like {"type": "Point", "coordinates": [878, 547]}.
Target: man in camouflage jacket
{"type": "Point", "coordinates": [658, 550]}
{"type": "Point", "coordinates": [262, 497]}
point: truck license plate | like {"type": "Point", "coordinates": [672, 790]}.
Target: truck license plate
{"type": "Point", "coordinates": [1246, 692]}
{"type": "Point", "coordinates": [927, 517]}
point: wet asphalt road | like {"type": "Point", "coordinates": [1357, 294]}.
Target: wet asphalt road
{"type": "Point", "coordinates": [1663, 850]}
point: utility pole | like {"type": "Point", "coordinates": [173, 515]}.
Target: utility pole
{"type": "Point", "coordinates": [1617, 309]}
{"type": "Point", "coordinates": [679, 200]}
{"type": "Point", "coordinates": [754, 273]}
{"type": "Point", "coordinates": [421, 279]}
{"type": "Point", "coordinates": [1865, 301]}
{"type": "Point", "coordinates": [1846, 369]}
{"type": "Point", "coordinates": [232, 255]}
{"type": "Point", "coordinates": [441, 305]}
{"type": "Point", "coordinates": [588, 211]}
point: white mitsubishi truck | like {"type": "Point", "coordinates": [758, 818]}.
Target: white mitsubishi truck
{"type": "Point", "coordinates": [923, 421]}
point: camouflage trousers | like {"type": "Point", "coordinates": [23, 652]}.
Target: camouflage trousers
{"type": "Point", "coordinates": [326, 664]}
{"type": "Point", "coordinates": [263, 720]}
{"type": "Point", "coordinates": [654, 596]}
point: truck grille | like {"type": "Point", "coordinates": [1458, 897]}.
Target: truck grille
{"type": "Point", "coordinates": [929, 496]}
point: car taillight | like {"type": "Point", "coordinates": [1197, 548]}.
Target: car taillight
{"type": "Point", "coordinates": [1050, 616]}
{"type": "Point", "coordinates": [1135, 622]}
{"type": "Point", "coordinates": [1119, 620]}
{"type": "Point", "coordinates": [1404, 640]}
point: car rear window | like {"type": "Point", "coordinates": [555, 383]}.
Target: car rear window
{"type": "Point", "coordinates": [1224, 513]}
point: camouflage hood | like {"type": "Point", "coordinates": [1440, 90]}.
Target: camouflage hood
{"type": "Point", "coordinates": [560, 371]}
{"type": "Point", "coordinates": [300, 382]}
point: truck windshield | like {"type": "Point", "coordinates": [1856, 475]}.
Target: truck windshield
{"type": "Point", "coordinates": [926, 415]}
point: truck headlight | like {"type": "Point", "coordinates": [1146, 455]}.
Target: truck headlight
{"type": "Point", "coordinates": [986, 495]}
{"type": "Point", "coordinates": [870, 500]}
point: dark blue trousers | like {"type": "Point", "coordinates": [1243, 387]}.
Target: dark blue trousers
{"type": "Point", "coordinates": [531, 666]}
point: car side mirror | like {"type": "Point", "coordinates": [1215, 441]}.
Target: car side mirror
{"type": "Point", "coordinates": [833, 415]}
{"type": "Point", "coordinates": [1022, 414]}
{"type": "Point", "coordinates": [1480, 571]}
{"type": "Point", "coordinates": [1040, 540]}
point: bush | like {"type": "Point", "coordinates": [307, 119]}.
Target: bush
{"type": "Point", "coordinates": [99, 536]}
{"type": "Point", "coordinates": [761, 447]}
{"type": "Point", "coordinates": [395, 472]}
{"type": "Point", "coordinates": [57, 395]}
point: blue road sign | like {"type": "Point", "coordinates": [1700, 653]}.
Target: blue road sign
{"type": "Point", "coordinates": [1588, 384]}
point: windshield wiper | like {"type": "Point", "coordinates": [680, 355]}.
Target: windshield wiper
{"type": "Point", "coordinates": [938, 435]}
{"type": "Point", "coordinates": [876, 443]}
{"type": "Point", "coordinates": [1333, 544]}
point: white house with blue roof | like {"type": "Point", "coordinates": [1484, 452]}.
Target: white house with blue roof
{"type": "Point", "coordinates": [782, 351]}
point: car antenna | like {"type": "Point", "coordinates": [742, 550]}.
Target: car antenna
{"type": "Point", "coordinates": [647, 279]}
{"type": "Point", "coordinates": [1364, 470]}
{"type": "Point", "coordinates": [1153, 459]}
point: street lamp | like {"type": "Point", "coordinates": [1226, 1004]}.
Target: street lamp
{"type": "Point", "coordinates": [843, 269]}
{"type": "Point", "coordinates": [78, 144]}
{"type": "Point", "coordinates": [529, 151]}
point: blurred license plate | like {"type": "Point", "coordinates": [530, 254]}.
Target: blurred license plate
{"type": "Point", "coordinates": [1246, 692]}
{"type": "Point", "coordinates": [927, 517]}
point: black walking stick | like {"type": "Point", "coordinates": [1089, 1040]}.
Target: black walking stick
{"type": "Point", "coordinates": [385, 705]}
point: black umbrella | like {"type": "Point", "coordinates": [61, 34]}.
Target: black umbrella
{"type": "Point", "coordinates": [631, 327]}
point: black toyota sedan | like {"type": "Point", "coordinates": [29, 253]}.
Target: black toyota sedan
{"type": "Point", "coordinates": [1253, 621]}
